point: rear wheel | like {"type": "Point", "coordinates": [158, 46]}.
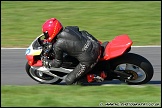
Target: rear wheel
{"type": "Point", "coordinates": [139, 67]}
{"type": "Point", "coordinates": [41, 77]}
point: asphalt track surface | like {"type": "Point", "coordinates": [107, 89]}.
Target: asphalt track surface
{"type": "Point", "coordinates": [13, 66]}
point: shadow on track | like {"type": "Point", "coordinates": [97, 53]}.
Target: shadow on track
{"type": "Point", "coordinates": [113, 82]}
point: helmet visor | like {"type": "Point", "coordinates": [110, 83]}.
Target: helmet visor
{"type": "Point", "coordinates": [46, 35]}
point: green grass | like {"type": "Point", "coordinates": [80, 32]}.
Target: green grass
{"type": "Point", "coordinates": [76, 95]}
{"type": "Point", "coordinates": [21, 21]}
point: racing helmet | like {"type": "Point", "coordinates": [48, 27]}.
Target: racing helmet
{"type": "Point", "coordinates": [51, 28]}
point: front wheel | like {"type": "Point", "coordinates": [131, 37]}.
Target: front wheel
{"type": "Point", "coordinates": [139, 67]}
{"type": "Point", "coordinates": [40, 77]}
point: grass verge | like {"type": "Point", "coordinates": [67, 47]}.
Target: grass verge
{"type": "Point", "coordinates": [76, 95]}
{"type": "Point", "coordinates": [21, 21]}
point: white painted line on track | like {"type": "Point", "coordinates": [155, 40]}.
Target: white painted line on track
{"type": "Point", "coordinates": [13, 48]}
{"type": "Point", "coordinates": [146, 46]}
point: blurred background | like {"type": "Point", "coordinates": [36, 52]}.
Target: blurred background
{"type": "Point", "coordinates": [21, 21]}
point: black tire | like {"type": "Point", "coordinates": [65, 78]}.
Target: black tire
{"type": "Point", "coordinates": [136, 60]}
{"type": "Point", "coordinates": [44, 80]}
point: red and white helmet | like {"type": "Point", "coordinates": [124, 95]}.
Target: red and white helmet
{"type": "Point", "coordinates": [51, 28]}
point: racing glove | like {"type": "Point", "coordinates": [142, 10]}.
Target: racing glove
{"type": "Point", "coordinates": [46, 63]}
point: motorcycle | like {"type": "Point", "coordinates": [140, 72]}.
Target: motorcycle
{"type": "Point", "coordinates": [115, 61]}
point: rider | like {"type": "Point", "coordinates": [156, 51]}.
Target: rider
{"type": "Point", "coordinates": [79, 44]}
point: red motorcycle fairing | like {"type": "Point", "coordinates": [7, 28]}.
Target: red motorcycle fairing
{"type": "Point", "coordinates": [117, 47]}
{"type": "Point", "coordinates": [33, 62]}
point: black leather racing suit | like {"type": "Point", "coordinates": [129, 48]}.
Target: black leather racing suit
{"type": "Point", "coordinates": [79, 44]}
